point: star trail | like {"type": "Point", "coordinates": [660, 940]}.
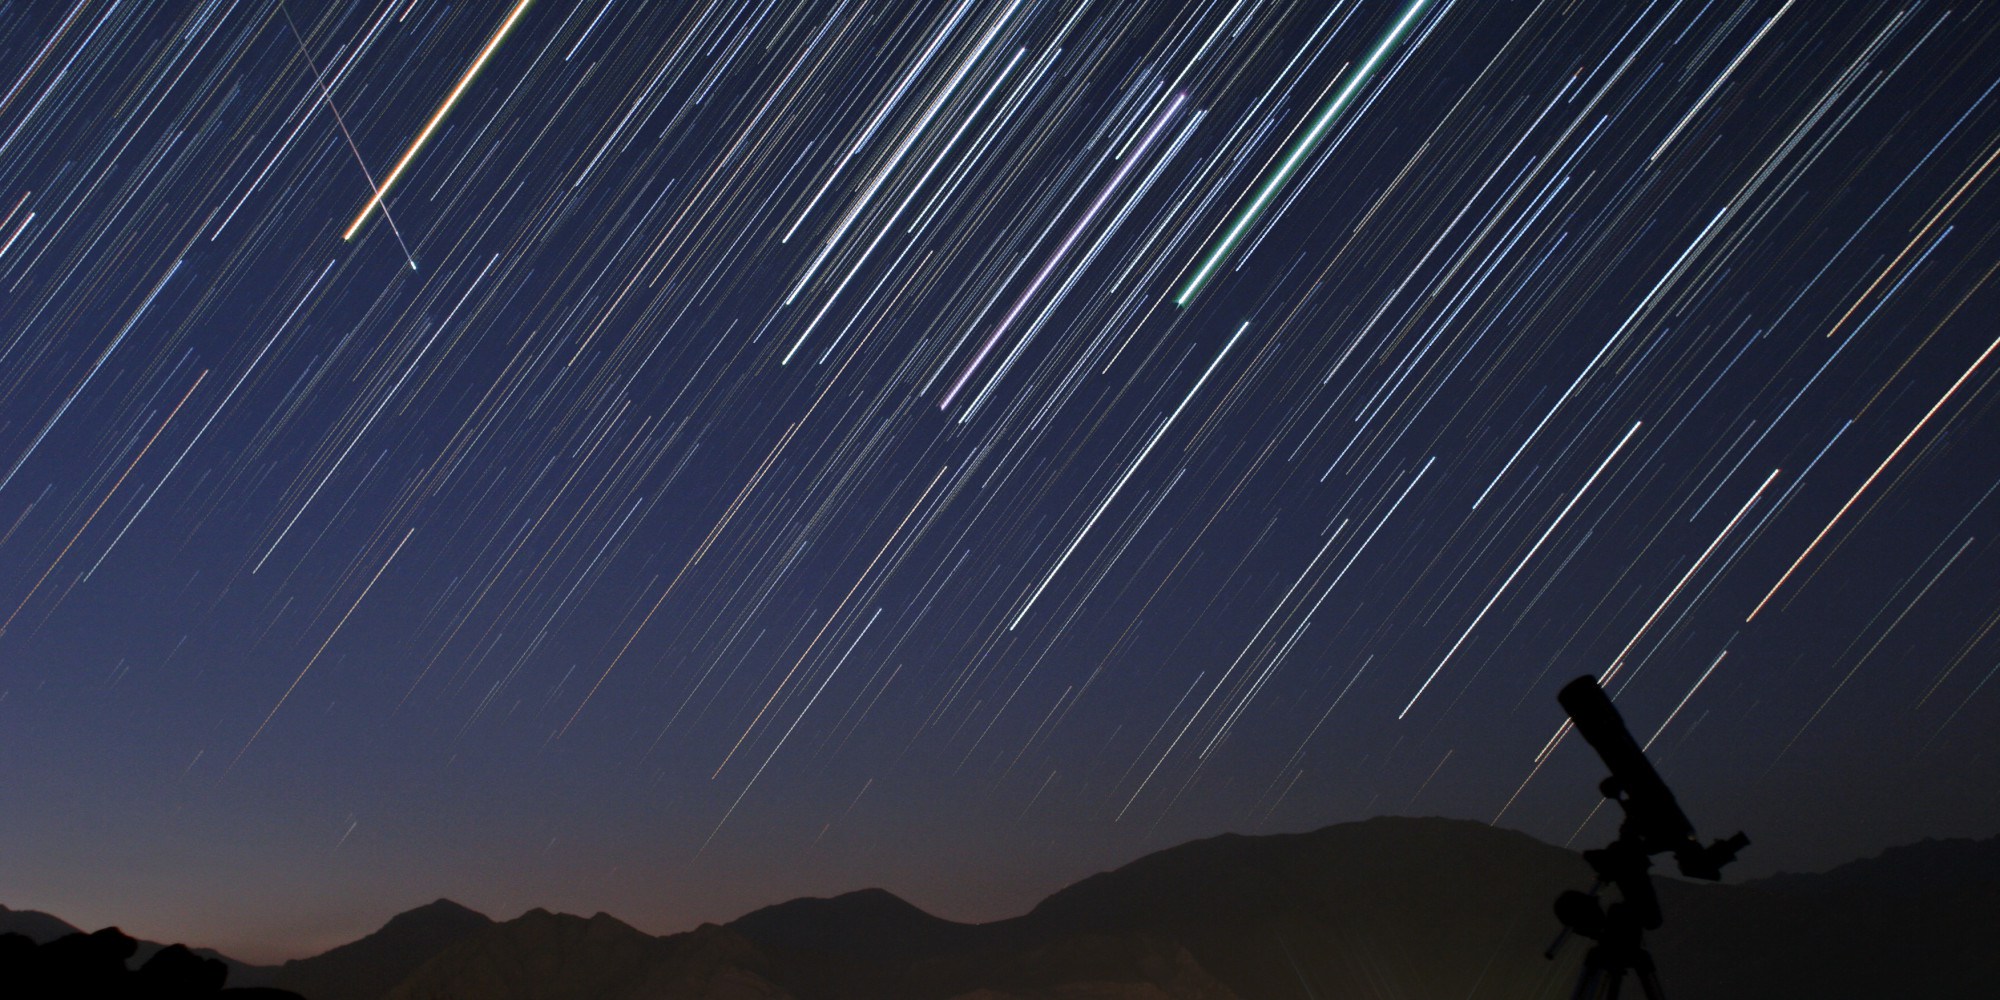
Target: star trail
{"type": "Point", "coordinates": [670, 458]}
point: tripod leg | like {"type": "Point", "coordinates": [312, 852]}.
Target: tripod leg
{"type": "Point", "coordinates": [1556, 945]}
{"type": "Point", "coordinates": [1586, 983]}
{"type": "Point", "coordinates": [1649, 984]}
{"type": "Point", "coordinates": [1616, 979]}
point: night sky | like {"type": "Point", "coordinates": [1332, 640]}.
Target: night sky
{"type": "Point", "coordinates": [753, 448]}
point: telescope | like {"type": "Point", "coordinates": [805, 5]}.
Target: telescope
{"type": "Point", "coordinates": [1653, 824]}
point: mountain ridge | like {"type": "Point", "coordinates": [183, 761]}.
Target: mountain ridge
{"type": "Point", "coordinates": [1428, 906]}
{"type": "Point", "coordinates": [373, 964]}
{"type": "Point", "coordinates": [1923, 868]}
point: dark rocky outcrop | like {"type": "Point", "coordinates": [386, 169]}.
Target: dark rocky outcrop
{"type": "Point", "coordinates": [100, 965]}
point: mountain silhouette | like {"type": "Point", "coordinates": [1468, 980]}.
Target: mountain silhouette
{"type": "Point", "coordinates": [1437, 907]}
{"type": "Point", "coordinates": [873, 944]}
{"type": "Point", "coordinates": [1386, 907]}
{"type": "Point", "coordinates": [873, 925]}
{"type": "Point", "coordinates": [369, 967]}
{"type": "Point", "coordinates": [1915, 921]}
{"type": "Point", "coordinates": [36, 926]}
{"type": "Point", "coordinates": [552, 956]}
{"type": "Point", "coordinates": [1926, 869]}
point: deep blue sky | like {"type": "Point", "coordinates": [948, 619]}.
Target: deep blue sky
{"type": "Point", "coordinates": [769, 453]}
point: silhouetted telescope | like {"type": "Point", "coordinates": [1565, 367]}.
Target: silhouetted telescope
{"type": "Point", "coordinates": [1652, 817]}
{"type": "Point", "coordinates": [1654, 824]}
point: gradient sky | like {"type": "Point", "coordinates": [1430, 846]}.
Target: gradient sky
{"type": "Point", "coordinates": [770, 448]}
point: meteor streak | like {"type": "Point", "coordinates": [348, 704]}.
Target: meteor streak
{"type": "Point", "coordinates": [464, 81]}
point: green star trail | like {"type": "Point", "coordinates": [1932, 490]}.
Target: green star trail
{"type": "Point", "coordinates": [1301, 148]}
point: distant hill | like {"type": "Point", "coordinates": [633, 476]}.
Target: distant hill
{"type": "Point", "coordinates": [371, 966]}
{"type": "Point", "coordinates": [1386, 907]}
{"type": "Point", "coordinates": [1435, 907]}
{"type": "Point", "coordinates": [1916, 921]}
{"type": "Point", "coordinates": [872, 925]}
{"type": "Point", "coordinates": [35, 925]}
{"type": "Point", "coordinates": [550, 956]}
{"type": "Point", "coordinates": [871, 944]}
{"type": "Point", "coordinates": [1926, 869]}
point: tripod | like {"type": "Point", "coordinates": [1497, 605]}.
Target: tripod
{"type": "Point", "coordinates": [1618, 929]}
{"type": "Point", "coordinates": [1603, 974]}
